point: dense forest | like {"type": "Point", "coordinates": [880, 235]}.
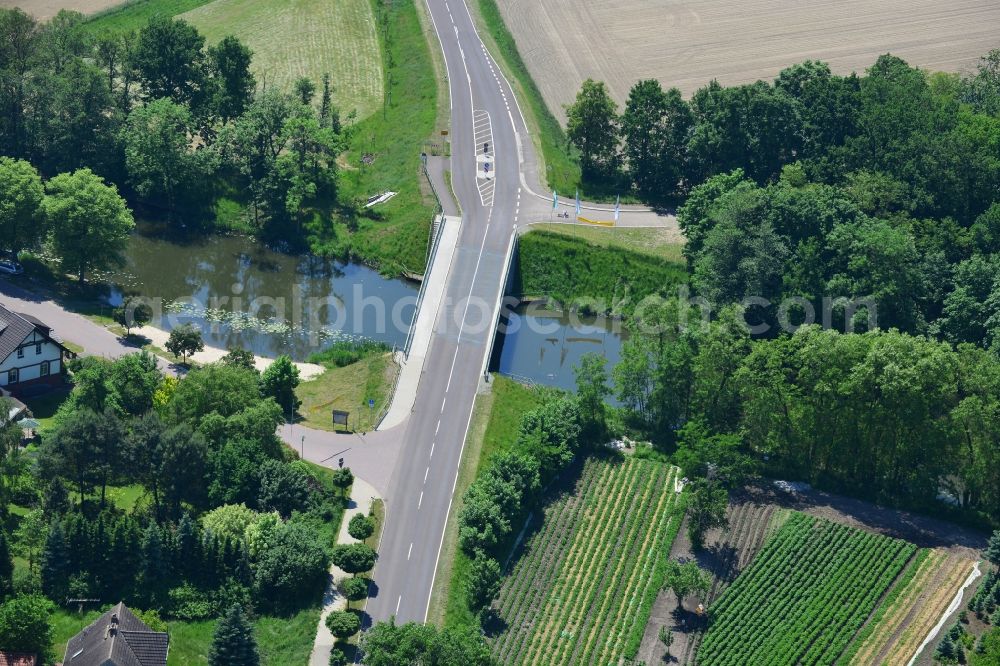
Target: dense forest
{"type": "Point", "coordinates": [221, 511]}
{"type": "Point", "coordinates": [815, 206]}
{"type": "Point", "coordinates": [898, 136]}
{"type": "Point", "coordinates": [182, 130]}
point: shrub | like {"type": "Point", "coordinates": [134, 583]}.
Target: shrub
{"type": "Point", "coordinates": [361, 526]}
{"type": "Point", "coordinates": [354, 558]}
{"type": "Point", "coordinates": [338, 657]}
{"type": "Point", "coordinates": [347, 352]}
{"type": "Point", "coordinates": [189, 603]}
{"type": "Point", "coordinates": [343, 478]}
{"type": "Point", "coordinates": [355, 589]}
{"type": "Point", "coordinates": [343, 624]}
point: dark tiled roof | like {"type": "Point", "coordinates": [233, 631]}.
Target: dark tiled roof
{"type": "Point", "coordinates": [128, 643]}
{"type": "Point", "coordinates": [17, 659]}
{"type": "Point", "coordinates": [15, 327]}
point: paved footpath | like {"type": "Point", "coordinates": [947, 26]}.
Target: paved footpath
{"type": "Point", "coordinates": [67, 326]}
{"type": "Point", "coordinates": [97, 340]}
{"type": "Point", "coordinates": [362, 496]}
{"type": "Point", "coordinates": [412, 366]}
{"type": "Point", "coordinates": [371, 456]}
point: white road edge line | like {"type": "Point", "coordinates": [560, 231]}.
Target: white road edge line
{"type": "Point", "coordinates": [468, 422]}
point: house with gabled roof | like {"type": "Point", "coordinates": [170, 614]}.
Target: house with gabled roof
{"type": "Point", "coordinates": [30, 354]}
{"type": "Point", "coordinates": [117, 638]}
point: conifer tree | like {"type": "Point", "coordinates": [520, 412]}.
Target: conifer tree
{"type": "Point", "coordinates": [55, 564]}
{"type": "Point", "coordinates": [234, 643]}
{"type": "Point", "coordinates": [6, 567]}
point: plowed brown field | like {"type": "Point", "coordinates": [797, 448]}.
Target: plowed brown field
{"type": "Point", "coordinates": [688, 43]}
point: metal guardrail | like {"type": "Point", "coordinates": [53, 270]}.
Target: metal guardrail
{"type": "Point", "coordinates": [384, 411]}
{"type": "Point", "coordinates": [423, 288]}
{"type": "Point", "coordinates": [440, 209]}
{"type": "Point", "coordinates": [504, 285]}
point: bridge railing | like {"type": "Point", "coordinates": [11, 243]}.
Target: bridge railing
{"type": "Point", "coordinates": [436, 241]}
{"type": "Point", "coordinates": [504, 287]}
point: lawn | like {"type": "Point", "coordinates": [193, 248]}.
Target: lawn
{"type": "Point", "coordinates": [663, 243]}
{"type": "Point", "coordinates": [349, 389]}
{"type": "Point", "coordinates": [291, 39]}
{"type": "Point", "coordinates": [135, 14]}
{"type": "Point", "coordinates": [43, 408]}
{"type": "Point", "coordinates": [282, 641]}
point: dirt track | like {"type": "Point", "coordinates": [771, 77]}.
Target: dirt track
{"type": "Point", "coordinates": [687, 43]}
{"type": "Point", "coordinates": [43, 9]}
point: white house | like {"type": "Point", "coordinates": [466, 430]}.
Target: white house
{"type": "Point", "coordinates": [29, 355]}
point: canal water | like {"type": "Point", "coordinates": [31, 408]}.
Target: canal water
{"type": "Point", "coordinates": [545, 346]}
{"type": "Point", "coordinates": [242, 294]}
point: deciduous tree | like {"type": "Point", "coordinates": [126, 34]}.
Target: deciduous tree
{"type": "Point", "coordinates": [592, 126]}
{"type": "Point", "coordinates": [21, 195]}
{"type": "Point", "coordinates": [184, 341]}
{"type": "Point", "coordinates": [90, 221]}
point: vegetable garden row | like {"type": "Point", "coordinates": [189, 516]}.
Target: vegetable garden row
{"type": "Point", "coordinates": [804, 597]}
{"type": "Point", "coordinates": [582, 592]}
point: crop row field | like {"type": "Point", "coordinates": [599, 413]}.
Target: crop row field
{"type": "Point", "coordinates": [911, 609]}
{"type": "Point", "coordinates": [582, 590]}
{"type": "Point", "coordinates": [804, 597]}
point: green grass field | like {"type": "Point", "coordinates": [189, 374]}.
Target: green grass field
{"type": "Point", "coordinates": [135, 14]}
{"type": "Point", "coordinates": [281, 640]}
{"type": "Point", "coordinates": [349, 389]}
{"type": "Point", "coordinates": [397, 239]}
{"type": "Point", "coordinates": [295, 38]}
{"type": "Point", "coordinates": [578, 271]}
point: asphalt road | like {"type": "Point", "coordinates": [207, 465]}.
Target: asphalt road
{"type": "Point", "coordinates": [426, 471]}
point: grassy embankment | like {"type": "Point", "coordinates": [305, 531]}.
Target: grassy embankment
{"type": "Point", "coordinates": [395, 237]}
{"type": "Point", "coordinates": [350, 380]}
{"type": "Point", "coordinates": [496, 418]}
{"type": "Point", "coordinates": [596, 274]}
